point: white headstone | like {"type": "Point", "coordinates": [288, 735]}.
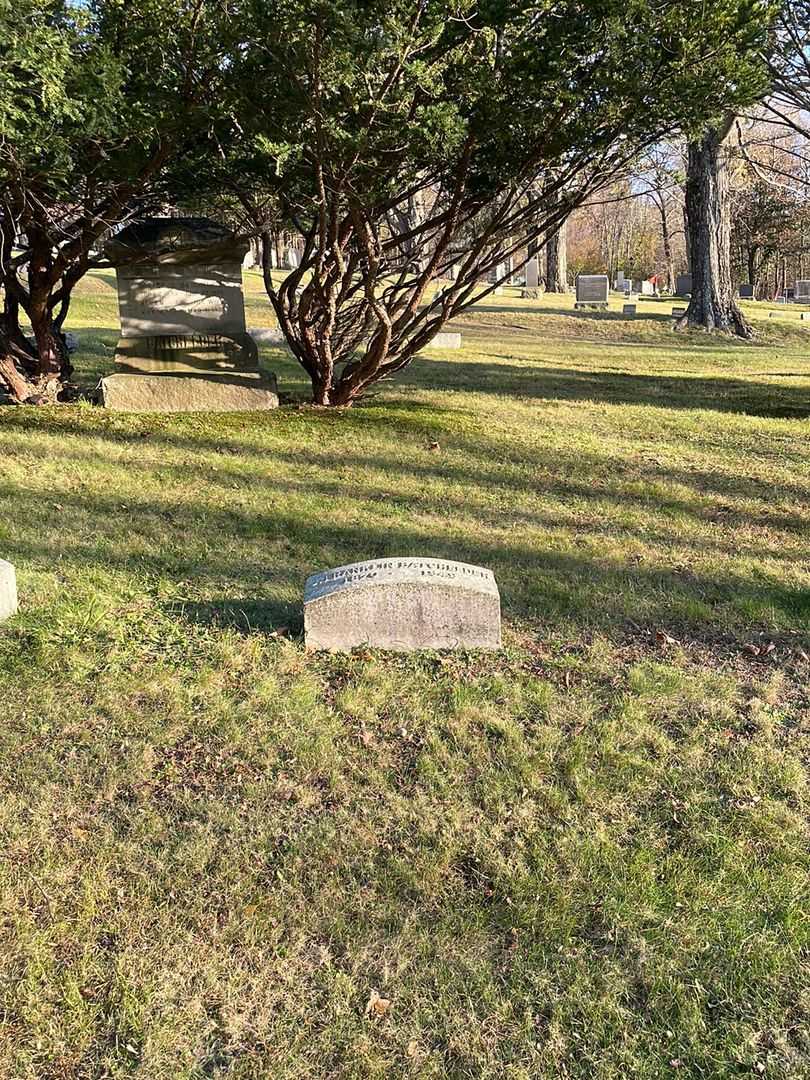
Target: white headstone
{"type": "Point", "coordinates": [801, 292]}
{"type": "Point", "coordinates": [8, 590]}
{"type": "Point", "coordinates": [403, 604]}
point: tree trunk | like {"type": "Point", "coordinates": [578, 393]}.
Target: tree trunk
{"type": "Point", "coordinates": [713, 305]}
{"type": "Point", "coordinates": [16, 362]}
{"type": "Point", "coordinates": [753, 272]}
{"type": "Point", "coordinates": [667, 246]}
{"type": "Point", "coordinates": [557, 262]}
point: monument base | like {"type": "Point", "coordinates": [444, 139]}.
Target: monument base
{"type": "Point", "coordinates": [188, 393]}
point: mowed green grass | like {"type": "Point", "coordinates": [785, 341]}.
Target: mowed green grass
{"type": "Point", "coordinates": [583, 857]}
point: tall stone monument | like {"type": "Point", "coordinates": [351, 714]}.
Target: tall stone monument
{"type": "Point", "coordinates": [183, 344]}
{"type": "Point", "coordinates": [403, 604]}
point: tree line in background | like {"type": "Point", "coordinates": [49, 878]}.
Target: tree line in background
{"type": "Point", "coordinates": [417, 152]}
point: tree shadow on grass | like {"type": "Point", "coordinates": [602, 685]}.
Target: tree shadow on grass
{"type": "Point", "coordinates": [253, 578]}
{"type": "Point", "coordinates": [748, 397]}
{"type": "Point", "coordinates": [243, 615]}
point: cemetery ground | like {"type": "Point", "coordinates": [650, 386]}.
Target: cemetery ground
{"type": "Point", "coordinates": [583, 857]}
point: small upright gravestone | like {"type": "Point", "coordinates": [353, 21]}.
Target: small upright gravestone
{"type": "Point", "coordinates": [8, 590]}
{"type": "Point", "coordinates": [403, 604]}
{"type": "Point", "coordinates": [183, 342]}
{"type": "Point", "coordinates": [592, 291]}
{"type": "Point", "coordinates": [683, 285]}
{"type": "Point", "coordinates": [629, 309]}
{"type": "Point", "coordinates": [746, 291]}
{"type": "Point", "coordinates": [801, 292]}
{"type": "Point", "coordinates": [532, 288]}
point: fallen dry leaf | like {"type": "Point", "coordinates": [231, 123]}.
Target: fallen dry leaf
{"type": "Point", "coordinates": [377, 1006]}
{"type": "Point", "coordinates": [663, 638]}
{"type": "Point", "coordinates": [751, 650]}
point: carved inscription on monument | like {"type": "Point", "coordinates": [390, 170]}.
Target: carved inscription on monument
{"type": "Point", "coordinates": [403, 603]}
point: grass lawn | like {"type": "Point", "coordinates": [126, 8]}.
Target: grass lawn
{"type": "Point", "coordinates": [584, 857]}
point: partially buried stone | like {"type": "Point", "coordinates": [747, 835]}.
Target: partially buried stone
{"type": "Point", "coordinates": [403, 604]}
{"type": "Point", "coordinates": [8, 590]}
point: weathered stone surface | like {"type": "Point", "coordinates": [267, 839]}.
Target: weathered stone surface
{"type": "Point", "coordinates": [533, 273]}
{"type": "Point", "coordinates": [271, 335]}
{"type": "Point", "coordinates": [746, 291]}
{"type": "Point", "coordinates": [183, 321]}
{"type": "Point", "coordinates": [629, 309]}
{"type": "Point", "coordinates": [178, 276]}
{"type": "Point", "coordinates": [801, 291]}
{"type": "Point", "coordinates": [240, 392]}
{"type": "Point", "coordinates": [267, 335]}
{"type": "Point", "coordinates": [678, 311]}
{"type": "Point", "coordinates": [194, 353]}
{"type": "Point", "coordinates": [592, 288]}
{"type": "Point", "coordinates": [403, 604]}
{"type": "Point", "coordinates": [445, 340]}
{"type": "Point", "coordinates": [683, 285]}
{"type": "Point", "coordinates": [8, 590]}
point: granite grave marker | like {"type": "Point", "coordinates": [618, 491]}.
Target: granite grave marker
{"type": "Point", "coordinates": [403, 604]}
{"type": "Point", "coordinates": [183, 342]}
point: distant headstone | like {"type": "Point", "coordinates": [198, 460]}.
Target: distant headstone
{"type": "Point", "coordinates": [403, 604]}
{"type": "Point", "coordinates": [620, 280]}
{"type": "Point", "coordinates": [8, 590]}
{"type": "Point", "coordinates": [801, 292]}
{"type": "Point", "coordinates": [183, 321]}
{"type": "Point", "coordinates": [746, 291]}
{"type": "Point", "coordinates": [629, 309]}
{"type": "Point", "coordinates": [271, 335]}
{"type": "Point", "coordinates": [445, 340]}
{"type": "Point", "coordinates": [683, 285]}
{"type": "Point", "coordinates": [677, 312]}
{"type": "Point", "coordinates": [805, 315]}
{"type": "Point", "coordinates": [592, 290]}
{"type": "Point", "coordinates": [533, 273]}
{"type": "Point", "coordinates": [790, 294]}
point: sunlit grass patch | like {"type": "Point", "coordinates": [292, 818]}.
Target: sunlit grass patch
{"type": "Point", "coordinates": [583, 856]}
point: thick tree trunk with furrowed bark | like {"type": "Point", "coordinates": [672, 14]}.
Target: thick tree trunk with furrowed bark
{"type": "Point", "coordinates": [557, 262]}
{"type": "Point", "coordinates": [713, 305]}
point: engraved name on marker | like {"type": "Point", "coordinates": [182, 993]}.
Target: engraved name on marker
{"type": "Point", "coordinates": [403, 603]}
